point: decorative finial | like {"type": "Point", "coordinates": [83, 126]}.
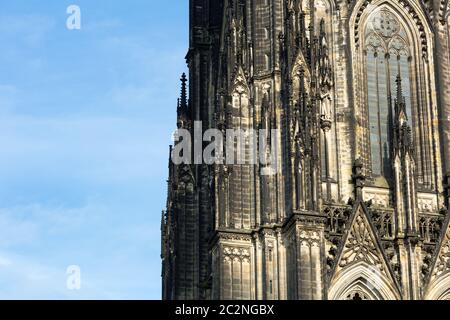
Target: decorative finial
{"type": "Point", "coordinates": [401, 115]}
{"type": "Point", "coordinates": [399, 89]}
{"type": "Point", "coordinates": [358, 178]}
{"type": "Point", "coordinates": [322, 26]}
{"type": "Point", "coordinates": [183, 99]}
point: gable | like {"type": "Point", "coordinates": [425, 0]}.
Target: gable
{"type": "Point", "coordinates": [361, 257]}
{"type": "Point", "coordinates": [360, 244]}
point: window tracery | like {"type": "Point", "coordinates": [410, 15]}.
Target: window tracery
{"type": "Point", "coordinates": [387, 55]}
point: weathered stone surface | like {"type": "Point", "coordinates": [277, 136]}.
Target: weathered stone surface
{"type": "Point", "coordinates": [358, 208]}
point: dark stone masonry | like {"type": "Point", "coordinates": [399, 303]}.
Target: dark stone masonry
{"type": "Point", "coordinates": [358, 206]}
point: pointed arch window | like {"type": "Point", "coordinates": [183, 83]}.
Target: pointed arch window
{"type": "Point", "coordinates": [387, 55]}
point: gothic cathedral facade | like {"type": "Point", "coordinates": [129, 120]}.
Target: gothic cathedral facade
{"type": "Point", "coordinates": [359, 208]}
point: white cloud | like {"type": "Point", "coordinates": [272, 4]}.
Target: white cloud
{"type": "Point", "coordinates": [106, 242]}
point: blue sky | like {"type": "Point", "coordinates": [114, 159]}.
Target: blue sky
{"type": "Point", "coordinates": [85, 122]}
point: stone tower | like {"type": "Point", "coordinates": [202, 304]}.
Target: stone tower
{"type": "Point", "coordinates": [357, 205]}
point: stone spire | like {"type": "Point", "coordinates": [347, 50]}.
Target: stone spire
{"type": "Point", "coordinates": [401, 115]}
{"type": "Point", "coordinates": [402, 130]}
{"type": "Point", "coordinates": [358, 178]}
{"type": "Point", "coordinates": [182, 103]}
{"type": "Point", "coordinates": [183, 98]}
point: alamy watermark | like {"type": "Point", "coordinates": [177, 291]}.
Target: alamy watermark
{"type": "Point", "coordinates": [74, 20]}
{"type": "Point", "coordinates": [230, 147]}
{"type": "Point", "coordinates": [73, 277]}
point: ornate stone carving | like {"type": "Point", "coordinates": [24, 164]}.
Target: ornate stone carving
{"type": "Point", "coordinates": [391, 251]}
{"type": "Point", "coordinates": [360, 245]}
{"type": "Point", "coordinates": [427, 261]}
{"type": "Point", "coordinates": [379, 198]}
{"type": "Point", "coordinates": [235, 236]}
{"type": "Point", "coordinates": [443, 259]}
{"type": "Point", "coordinates": [337, 218]}
{"type": "Point", "coordinates": [236, 253]}
{"type": "Point", "coordinates": [388, 29]}
{"type": "Point", "coordinates": [384, 222]}
{"type": "Point", "coordinates": [427, 203]}
{"type": "Point", "coordinates": [385, 24]}
{"type": "Point", "coordinates": [332, 251]}
{"type": "Point", "coordinates": [309, 236]}
{"type": "Point", "coordinates": [430, 228]}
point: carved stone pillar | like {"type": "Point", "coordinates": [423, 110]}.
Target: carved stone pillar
{"type": "Point", "coordinates": [305, 234]}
